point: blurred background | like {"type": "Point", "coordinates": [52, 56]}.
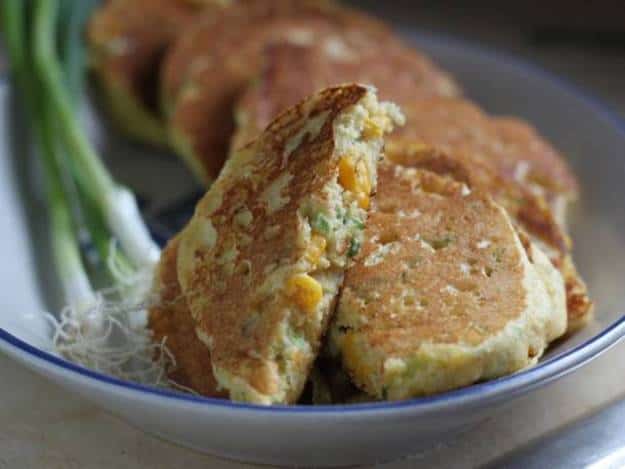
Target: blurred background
{"type": "Point", "coordinates": [581, 40]}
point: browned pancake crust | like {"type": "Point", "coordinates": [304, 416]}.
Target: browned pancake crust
{"type": "Point", "coordinates": [442, 293]}
{"type": "Point", "coordinates": [529, 210]}
{"type": "Point", "coordinates": [431, 241]}
{"type": "Point", "coordinates": [190, 54]}
{"type": "Point", "coordinates": [170, 320]}
{"type": "Point", "coordinates": [579, 305]}
{"type": "Point", "coordinates": [291, 71]}
{"type": "Point", "coordinates": [514, 149]}
{"type": "Point", "coordinates": [128, 39]}
{"type": "Point", "coordinates": [212, 80]}
{"type": "Point", "coordinates": [549, 169]}
{"type": "Point", "coordinates": [213, 282]}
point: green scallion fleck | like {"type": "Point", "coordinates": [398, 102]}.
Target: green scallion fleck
{"type": "Point", "coordinates": [354, 247]}
{"type": "Point", "coordinates": [321, 223]}
{"type": "Point", "coordinates": [357, 223]}
{"type": "Point", "coordinates": [441, 243]}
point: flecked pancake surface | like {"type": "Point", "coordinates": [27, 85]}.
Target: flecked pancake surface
{"type": "Point", "coordinates": [528, 209]}
{"type": "Point", "coordinates": [443, 293]}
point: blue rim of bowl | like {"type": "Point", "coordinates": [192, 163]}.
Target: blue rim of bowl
{"type": "Point", "coordinates": [508, 386]}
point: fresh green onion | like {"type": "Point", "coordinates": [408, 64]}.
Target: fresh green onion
{"type": "Point", "coordinates": [82, 199]}
{"type": "Point", "coordinates": [321, 223]}
{"type": "Point", "coordinates": [75, 283]}
{"type": "Point", "coordinates": [72, 50]}
{"type": "Point", "coordinates": [354, 248]}
{"type": "Point", "coordinates": [116, 203]}
{"type": "Point", "coordinates": [89, 220]}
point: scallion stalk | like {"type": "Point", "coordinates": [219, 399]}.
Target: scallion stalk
{"type": "Point", "coordinates": [103, 329]}
{"type": "Point", "coordinates": [65, 250]}
{"type": "Point", "coordinates": [90, 223]}
{"type": "Point", "coordinates": [116, 203]}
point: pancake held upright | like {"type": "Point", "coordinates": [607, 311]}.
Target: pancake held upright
{"type": "Point", "coordinates": [263, 258]}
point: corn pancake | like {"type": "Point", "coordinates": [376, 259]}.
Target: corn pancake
{"type": "Point", "coordinates": [170, 320]}
{"type": "Point", "coordinates": [443, 293]}
{"type": "Point", "coordinates": [190, 54]}
{"type": "Point", "coordinates": [128, 39]}
{"type": "Point", "coordinates": [291, 71]}
{"type": "Point", "coordinates": [548, 169]}
{"type": "Point", "coordinates": [262, 259]}
{"type": "Point", "coordinates": [520, 157]}
{"type": "Point", "coordinates": [527, 209]}
{"type": "Point", "coordinates": [513, 148]}
{"type": "Point", "coordinates": [201, 117]}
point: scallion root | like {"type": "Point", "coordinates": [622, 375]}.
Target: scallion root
{"type": "Point", "coordinates": [109, 338]}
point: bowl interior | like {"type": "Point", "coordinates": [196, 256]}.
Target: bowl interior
{"type": "Point", "coordinates": [592, 139]}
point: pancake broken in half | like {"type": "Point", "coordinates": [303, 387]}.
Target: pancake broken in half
{"type": "Point", "coordinates": [263, 258]}
{"type": "Point", "coordinates": [443, 292]}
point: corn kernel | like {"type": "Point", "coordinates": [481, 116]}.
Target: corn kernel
{"type": "Point", "coordinates": [363, 200]}
{"type": "Point", "coordinates": [364, 181]}
{"type": "Point", "coordinates": [372, 129]}
{"type": "Point", "coordinates": [419, 149]}
{"type": "Point", "coordinates": [347, 173]}
{"type": "Point", "coordinates": [316, 249]}
{"type": "Point", "coordinates": [355, 178]}
{"type": "Point", "coordinates": [405, 151]}
{"type": "Point", "coordinates": [305, 291]}
{"type": "Point", "coordinates": [375, 127]}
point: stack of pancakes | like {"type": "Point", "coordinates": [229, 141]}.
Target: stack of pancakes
{"type": "Point", "coordinates": [464, 270]}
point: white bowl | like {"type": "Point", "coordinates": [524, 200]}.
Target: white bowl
{"type": "Point", "coordinates": [593, 138]}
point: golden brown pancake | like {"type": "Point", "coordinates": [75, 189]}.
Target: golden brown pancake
{"type": "Point", "coordinates": [262, 259]}
{"type": "Point", "coordinates": [443, 293]}
{"type": "Point", "coordinates": [170, 320]}
{"type": "Point", "coordinates": [547, 168]}
{"type": "Point", "coordinates": [128, 39]}
{"type": "Point", "coordinates": [201, 86]}
{"type": "Point", "coordinates": [527, 209]}
{"type": "Point", "coordinates": [190, 54]}
{"type": "Point", "coordinates": [291, 71]}
{"type": "Point", "coordinates": [514, 149]}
